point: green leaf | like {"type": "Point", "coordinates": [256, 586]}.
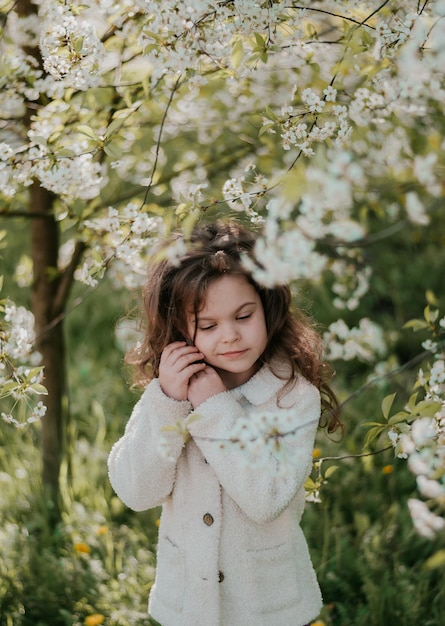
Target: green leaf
{"type": "Point", "coordinates": [436, 560]}
{"type": "Point", "coordinates": [41, 141]}
{"type": "Point", "coordinates": [434, 315]}
{"type": "Point", "coordinates": [401, 416]}
{"type": "Point", "coordinates": [387, 403]}
{"type": "Point", "coordinates": [330, 471]}
{"type": "Point", "coordinates": [88, 131]}
{"type": "Point", "coordinates": [259, 41]}
{"type": "Point", "coordinates": [309, 485]}
{"type": "Point", "coordinates": [372, 434]}
{"type": "Point", "coordinates": [431, 298]}
{"type": "Point", "coordinates": [78, 44]}
{"type": "Point", "coordinates": [427, 408]}
{"type": "Point", "coordinates": [270, 114]}
{"type": "Point", "coordinates": [411, 404]}
{"type": "Point", "coordinates": [416, 325]}
{"type": "Point", "coordinates": [112, 150]}
{"type": "Point", "coordinates": [430, 316]}
{"type": "Point", "coordinates": [39, 389]}
{"type": "Point", "coordinates": [114, 126]}
{"type": "Point", "coordinates": [237, 53]}
{"type": "Point", "coordinates": [34, 372]}
{"type": "Point", "coordinates": [265, 128]}
{"type": "Point", "coordinates": [65, 152]}
{"type": "Point", "coordinates": [8, 388]}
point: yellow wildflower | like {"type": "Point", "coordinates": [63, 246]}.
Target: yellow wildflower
{"type": "Point", "coordinates": [316, 453]}
{"type": "Point", "coordinates": [94, 620]}
{"type": "Point", "coordinates": [102, 530]}
{"type": "Point", "coordinates": [82, 547]}
{"type": "Point", "coordinates": [387, 469]}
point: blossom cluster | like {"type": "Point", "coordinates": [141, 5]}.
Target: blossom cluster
{"type": "Point", "coordinates": [263, 436]}
{"type": "Point", "coordinates": [124, 236]}
{"type": "Point", "coordinates": [266, 440]}
{"type": "Point", "coordinates": [206, 34]}
{"type": "Point", "coordinates": [18, 339]}
{"type": "Point", "coordinates": [365, 342]}
{"type": "Point", "coordinates": [71, 50]}
{"type": "Point", "coordinates": [418, 434]}
{"type": "Point", "coordinates": [284, 255]}
{"type": "Point", "coordinates": [19, 381]}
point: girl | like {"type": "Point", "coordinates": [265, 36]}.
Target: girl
{"type": "Point", "coordinates": [219, 347]}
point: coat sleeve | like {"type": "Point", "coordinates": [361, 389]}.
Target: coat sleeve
{"type": "Point", "coordinates": [257, 480]}
{"type": "Point", "coordinates": [141, 476]}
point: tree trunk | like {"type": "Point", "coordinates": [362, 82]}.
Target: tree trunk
{"type": "Point", "coordinates": [50, 338]}
{"type": "Point", "coordinates": [49, 297]}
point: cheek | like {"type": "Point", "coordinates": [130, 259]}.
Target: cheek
{"type": "Point", "coordinates": [190, 331]}
{"type": "Point", "coordinates": [201, 343]}
{"type": "Point", "coordinates": [262, 332]}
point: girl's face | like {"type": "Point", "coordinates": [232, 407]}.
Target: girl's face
{"type": "Point", "coordinates": [230, 329]}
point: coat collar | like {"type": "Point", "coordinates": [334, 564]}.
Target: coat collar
{"type": "Point", "coordinates": [263, 385]}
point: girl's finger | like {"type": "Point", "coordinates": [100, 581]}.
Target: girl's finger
{"type": "Point", "coordinates": [194, 368]}
{"type": "Point", "coordinates": [187, 359]}
{"type": "Point", "coordinates": [171, 347]}
{"type": "Point", "coordinates": [184, 355]}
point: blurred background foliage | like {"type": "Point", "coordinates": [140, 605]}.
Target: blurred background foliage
{"type": "Point", "coordinates": [97, 565]}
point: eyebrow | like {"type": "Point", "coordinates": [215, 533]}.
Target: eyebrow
{"type": "Point", "coordinates": [237, 310]}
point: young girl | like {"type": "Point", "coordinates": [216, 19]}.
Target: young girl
{"type": "Point", "coordinates": [221, 347]}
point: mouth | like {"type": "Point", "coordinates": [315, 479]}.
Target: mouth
{"type": "Point", "coordinates": [233, 354]}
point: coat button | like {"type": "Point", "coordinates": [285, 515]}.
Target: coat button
{"type": "Point", "coordinates": [208, 519]}
{"type": "Point", "coordinates": [220, 577]}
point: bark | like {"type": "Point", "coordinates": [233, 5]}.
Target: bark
{"type": "Point", "coordinates": [50, 338]}
{"type": "Point", "coordinates": [49, 296]}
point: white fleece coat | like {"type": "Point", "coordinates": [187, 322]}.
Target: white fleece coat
{"type": "Point", "coordinates": [230, 549]}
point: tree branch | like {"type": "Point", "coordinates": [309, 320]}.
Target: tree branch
{"type": "Point", "coordinates": [26, 214]}
{"type": "Point", "coordinates": [158, 141]}
{"type": "Point", "coordinates": [330, 13]}
{"type": "Point", "coordinates": [67, 279]}
{"type": "Point", "coordinates": [406, 366]}
{"type": "Point", "coordinates": [351, 456]}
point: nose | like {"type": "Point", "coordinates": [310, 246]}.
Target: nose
{"type": "Point", "coordinates": [229, 333]}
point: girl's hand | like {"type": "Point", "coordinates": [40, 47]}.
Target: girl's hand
{"type": "Point", "coordinates": [203, 385]}
{"type": "Point", "coordinates": [178, 364]}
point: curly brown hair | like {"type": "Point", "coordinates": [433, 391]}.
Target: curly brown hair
{"type": "Point", "coordinates": [176, 286]}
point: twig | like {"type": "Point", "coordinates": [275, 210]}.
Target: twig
{"type": "Point", "coordinates": [158, 142]}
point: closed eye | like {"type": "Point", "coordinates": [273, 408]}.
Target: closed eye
{"type": "Point", "coordinates": [209, 327]}
{"type": "Point", "coordinates": [244, 317]}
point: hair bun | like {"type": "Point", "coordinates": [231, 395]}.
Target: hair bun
{"type": "Point", "coordinates": [220, 261]}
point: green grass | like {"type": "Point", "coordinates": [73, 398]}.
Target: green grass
{"type": "Point", "coordinates": [100, 559]}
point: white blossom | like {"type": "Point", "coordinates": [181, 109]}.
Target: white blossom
{"type": "Point", "coordinates": [426, 523]}
{"type": "Point", "coordinates": [71, 50]}
{"type": "Point", "coordinates": [364, 342]}
{"type": "Point", "coordinates": [415, 209]}
{"type": "Point", "coordinates": [265, 435]}
{"type": "Point", "coordinates": [430, 488]}
{"type": "Point", "coordinates": [20, 339]}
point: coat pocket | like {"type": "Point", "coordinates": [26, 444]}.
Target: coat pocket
{"type": "Point", "coordinates": [170, 575]}
{"type": "Point", "coordinates": [273, 580]}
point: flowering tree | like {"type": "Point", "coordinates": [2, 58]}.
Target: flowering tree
{"type": "Point", "coordinates": [319, 122]}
